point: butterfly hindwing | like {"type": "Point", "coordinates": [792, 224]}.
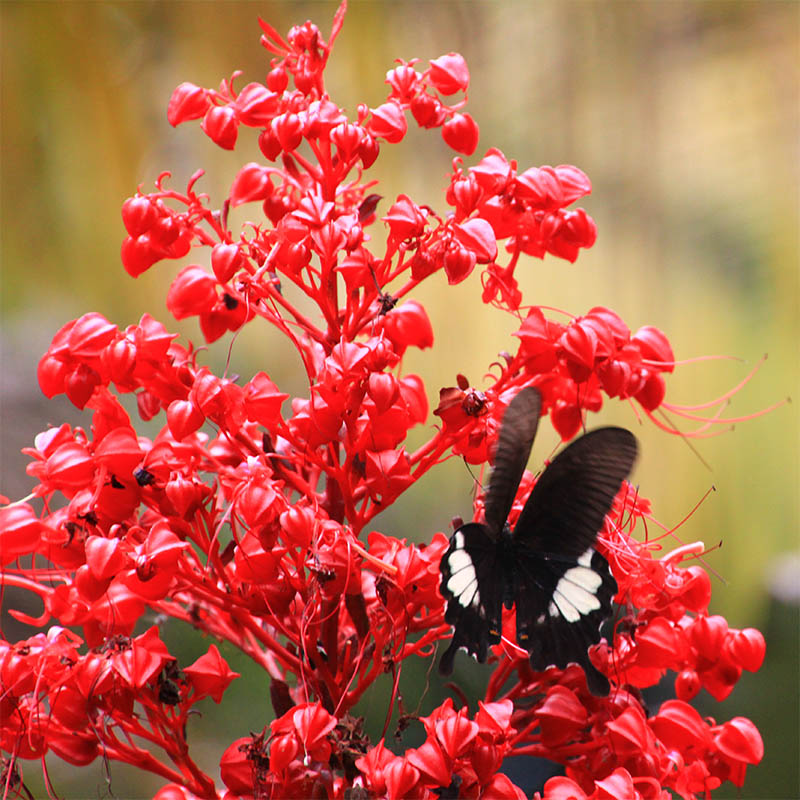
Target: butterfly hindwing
{"type": "Point", "coordinates": [560, 606]}
{"type": "Point", "coordinates": [472, 585]}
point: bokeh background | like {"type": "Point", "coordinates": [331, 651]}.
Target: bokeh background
{"type": "Point", "coordinates": [683, 114]}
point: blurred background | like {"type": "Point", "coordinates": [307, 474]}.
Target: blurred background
{"type": "Point", "coordinates": [683, 114]}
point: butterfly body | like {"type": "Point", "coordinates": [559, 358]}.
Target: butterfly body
{"type": "Point", "coordinates": [546, 566]}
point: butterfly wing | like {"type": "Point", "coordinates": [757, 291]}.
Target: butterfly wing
{"type": "Point", "coordinates": [570, 500]}
{"type": "Point", "coordinates": [513, 449]}
{"type": "Point", "coordinates": [560, 606]}
{"type": "Point", "coordinates": [475, 577]}
{"type": "Point", "coordinates": [472, 584]}
{"type": "Point", "coordinates": [563, 587]}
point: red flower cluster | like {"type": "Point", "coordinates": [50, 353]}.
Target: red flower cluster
{"type": "Point", "coordinates": [243, 516]}
{"type": "Point", "coordinates": [53, 696]}
{"type": "Point", "coordinates": [663, 625]}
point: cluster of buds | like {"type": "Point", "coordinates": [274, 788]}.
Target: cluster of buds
{"type": "Point", "coordinates": [245, 515]}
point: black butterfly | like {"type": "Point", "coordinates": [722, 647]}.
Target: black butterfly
{"type": "Point", "coordinates": [548, 567]}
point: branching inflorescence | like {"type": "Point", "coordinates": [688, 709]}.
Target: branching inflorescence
{"type": "Point", "coordinates": [244, 516]}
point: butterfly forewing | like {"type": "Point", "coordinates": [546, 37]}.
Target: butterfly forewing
{"type": "Point", "coordinates": [567, 506]}
{"type": "Point", "coordinates": [514, 444]}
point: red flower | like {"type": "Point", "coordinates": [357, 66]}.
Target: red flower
{"type": "Point", "coordinates": [461, 133]}
{"type": "Point", "coordinates": [408, 325]}
{"type": "Point", "coordinates": [221, 126]}
{"type": "Point", "coordinates": [187, 102]}
{"type": "Point", "coordinates": [388, 122]}
{"type": "Point", "coordinates": [210, 674]}
{"type": "Point", "coordinates": [449, 74]}
{"type": "Point", "coordinates": [476, 236]}
{"type": "Point", "coordinates": [405, 219]}
{"type": "Point", "coordinates": [560, 716]}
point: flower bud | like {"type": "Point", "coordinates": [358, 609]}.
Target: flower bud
{"type": "Point", "coordinates": [461, 132]}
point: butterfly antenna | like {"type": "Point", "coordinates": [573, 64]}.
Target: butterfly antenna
{"type": "Point", "coordinates": [477, 483]}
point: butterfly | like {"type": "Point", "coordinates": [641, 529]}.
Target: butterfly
{"type": "Point", "coordinates": [547, 566]}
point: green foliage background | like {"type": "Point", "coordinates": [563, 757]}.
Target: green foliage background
{"type": "Point", "coordinates": [683, 114]}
